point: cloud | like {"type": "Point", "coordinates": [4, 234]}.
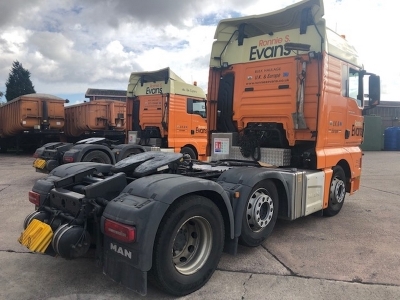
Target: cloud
{"type": "Point", "coordinates": [73, 44]}
{"type": "Point", "coordinates": [17, 10]}
{"type": "Point", "coordinates": [155, 12]}
{"type": "Point", "coordinates": [70, 45]}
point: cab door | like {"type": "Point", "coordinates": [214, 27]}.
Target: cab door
{"type": "Point", "coordinates": [355, 121]}
{"type": "Point", "coordinates": [197, 110]}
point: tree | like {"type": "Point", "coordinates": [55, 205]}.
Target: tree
{"type": "Point", "coordinates": [19, 82]}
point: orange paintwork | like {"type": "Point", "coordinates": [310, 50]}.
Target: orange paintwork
{"type": "Point", "coordinates": [328, 176]}
{"type": "Point", "coordinates": [129, 117]}
{"type": "Point", "coordinates": [94, 116]}
{"type": "Point", "coordinates": [330, 115]}
{"type": "Point", "coordinates": [266, 102]}
{"type": "Point", "coordinates": [25, 112]}
{"type": "Point", "coordinates": [183, 129]}
{"type": "Point", "coordinates": [332, 146]}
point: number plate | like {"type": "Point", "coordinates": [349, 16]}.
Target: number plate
{"type": "Point", "coordinates": [39, 163]}
{"type": "Point", "coordinates": [37, 236]}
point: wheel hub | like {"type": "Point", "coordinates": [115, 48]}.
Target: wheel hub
{"type": "Point", "coordinates": [260, 210]}
{"type": "Point", "coordinates": [192, 245]}
{"type": "Point", "coordinates": [180, 240]}
{"type": "Point", "coordinates": [338, 191]}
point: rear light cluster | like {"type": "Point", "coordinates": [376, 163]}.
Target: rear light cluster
{"type": "Point", "coordinates": [120, 232]}
{"type": "Point", "coordinates": [35, 155]}
{"type": "Point", "coordinates": [68, 159]}
{"type": "Point", "coordinates": [34, 198]}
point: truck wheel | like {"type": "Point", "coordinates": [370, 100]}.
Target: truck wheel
{"type": "Point", "coordinates": [260, 214]}
{"type": "Point", "coordinates": [189, 151]}
{"type": "Point", "coordinates": [188, 246]}
{"type": "Point", "coordinates": [337, 192]}
{"type": "Point", "coordinates": [97, 156]}
{"type": "Point", "coordinates": [131, 152]}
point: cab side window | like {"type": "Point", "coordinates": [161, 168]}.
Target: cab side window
{"type": "Point", "coordinates": [345, 77]}
{"type": "Point", "coordinates": [352, 84]}
{"type": "Point", "coordinates": [196, 107]}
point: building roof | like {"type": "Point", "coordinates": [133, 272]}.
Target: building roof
{"type": "Point", "coordinates": [103, 92]}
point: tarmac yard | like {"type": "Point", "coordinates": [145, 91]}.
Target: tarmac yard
{"type": "Point", "coordinates": [354, 255]}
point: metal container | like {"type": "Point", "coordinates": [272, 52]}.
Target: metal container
{"type": "Point", "coordinates": [373, 135]}
{"type": "Point", "coordinates": [32, 112]}
{"type": "Point", "coordinates": [97, 115]}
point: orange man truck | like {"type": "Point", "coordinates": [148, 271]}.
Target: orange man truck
{"type": "Point", "coordinates": [164, 111]}
{"type": "Point", "coordinates": [291, 94]}
{"type": "Point", "coordinates": [285, 102]}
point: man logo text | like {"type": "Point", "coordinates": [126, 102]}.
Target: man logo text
{"type": "Point", "coordinates": [121, 251]}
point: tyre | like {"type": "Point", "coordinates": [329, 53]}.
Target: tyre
{"type": "Point", "coordinates": [97, 156]}
{"type": "Point", "coordinates": [188, 246]}
{"type": "Point", "coordinates": [260, 214]}
{"type": "Point", "coordinates": [189, 151]}
{"type": "Point", "coordinates": [337, 192]}
{"type": "Point", "coordinates": [131, 152]}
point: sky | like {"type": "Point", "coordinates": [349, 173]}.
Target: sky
{"type": "Point", "coordinates": [69, 46]}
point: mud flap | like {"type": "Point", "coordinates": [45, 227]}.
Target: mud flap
{"type": "Point", "coordinates": [124, 273]}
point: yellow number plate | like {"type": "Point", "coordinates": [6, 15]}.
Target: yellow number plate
{"type": "Point", "coordinates": [39, 163]}
{"type": "Point", "coordinates": [37, 236]}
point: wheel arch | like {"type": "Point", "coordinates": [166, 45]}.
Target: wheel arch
{"type": "Point", "coordinates": [193, 147]}
{"type": "Point", "coordinates": [347, 172]}
{"type": "Point", "coordinates": [156, 194]}
{"type": "Point", "coordinates": [226, 213]}
{"type": "Point", "coordinates": [121, 151]}
{"type": "Point", "coordinates": [247, 178]}
{"type": "Point", "coordinates": [83, 150]}
{"type": "Point", "coordinates": [195, 186]}
{"type": "Point", "coordinates": [217, 199]}
{"type": "Point", "coordinates": [112, 158]}
{"type": "Point", "coordinates": [282, 198]}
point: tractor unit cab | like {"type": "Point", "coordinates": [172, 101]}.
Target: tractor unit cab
{"type": "Point", "coordinates": [286, 90]}
{"type": "Point", "coordinates": [164, 111]}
